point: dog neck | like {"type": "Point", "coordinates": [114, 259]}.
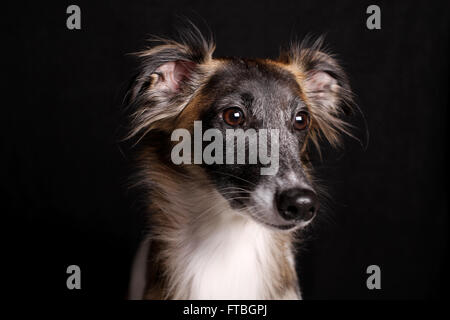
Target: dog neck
{"type": "Point", "coordinates": [210, 251]}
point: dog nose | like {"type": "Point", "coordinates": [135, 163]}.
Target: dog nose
{"type": "Point", "coordinates": [297, 204]}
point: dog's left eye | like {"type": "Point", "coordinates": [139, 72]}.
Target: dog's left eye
{"type": "Point", "coordinates": [301, 120]}
{"type": "Point", "coordinates": [233, 116]}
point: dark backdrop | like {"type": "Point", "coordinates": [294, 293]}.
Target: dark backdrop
{"type": "Point", "coordinates": [64, 176]}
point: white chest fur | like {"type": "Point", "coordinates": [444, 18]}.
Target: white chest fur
{"type": "Point", "coordinates": [229, 260]}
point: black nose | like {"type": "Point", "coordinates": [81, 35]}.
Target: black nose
{"type": "Point", "coordinates": [297, 204]}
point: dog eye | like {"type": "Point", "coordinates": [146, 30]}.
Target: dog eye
{"type": "Point", "coordinates": [301, 120]}
{"type": "Point", "coordinates": [233, 116]}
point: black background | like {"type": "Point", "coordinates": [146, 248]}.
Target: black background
{"type": "Point", "coordinates": [65, 172]}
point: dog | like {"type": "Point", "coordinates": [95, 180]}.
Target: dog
{"type": "Point", "coordinates": [221, 230]}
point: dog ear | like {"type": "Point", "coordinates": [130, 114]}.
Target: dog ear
{"type": "Point", "coordinates": [325, 86]}
{"type": "Point", "coordinates": [168, 65]}
{"type": "Point", "coordinates": [170, 74]}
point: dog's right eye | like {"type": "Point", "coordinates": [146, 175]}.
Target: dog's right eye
{"type": "Point", "coordinates": [233, 116]}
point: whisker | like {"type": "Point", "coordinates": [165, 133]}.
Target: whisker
{"type": "Point", "coordinates": [233, 176]}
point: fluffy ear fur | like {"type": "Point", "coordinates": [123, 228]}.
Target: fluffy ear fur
{"type": "Point", "coordinates": [325, 86]}
{"type": "Point", "coordinates": [170, 74]}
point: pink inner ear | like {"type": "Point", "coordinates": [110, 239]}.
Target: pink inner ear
{"type": "Point", "coordinates": [173, 73]}
{"type": "Point", "coordinates": [321, 81]}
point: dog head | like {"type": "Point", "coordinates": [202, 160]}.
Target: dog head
{"type": "Point", "coordinates": [269, 111]}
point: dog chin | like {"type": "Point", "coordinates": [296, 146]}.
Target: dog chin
{"type": "Point", "coordinates": [280, 225]}
{"type": "Point", "coordinates": [288, 226]}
